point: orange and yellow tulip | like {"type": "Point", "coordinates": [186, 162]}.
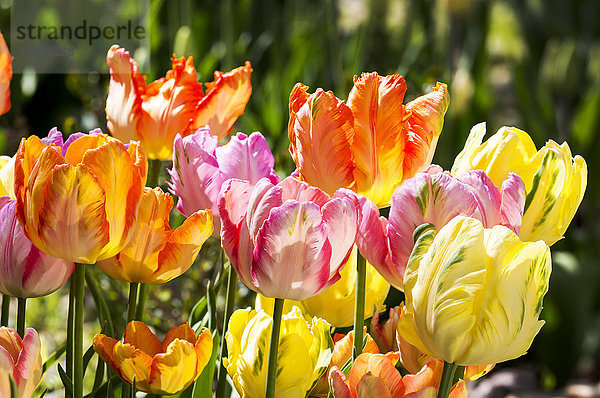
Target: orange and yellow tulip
{"type": "Point", "coordinates": [79, 201]}
{"type": "Point", "coordinates": [155, 253]}
{"type": "Point", "coordinates": [176, 103]}
{"type": "Point", "coordinates": [166, 367]}
{"type": "Point", "coordinates": [369, 144]}
{"type": "Point", "coordinates": [5, 76]}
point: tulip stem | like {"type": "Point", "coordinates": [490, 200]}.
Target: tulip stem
{"type": "Point", "coordinates": [359, 305]}
{"type": "Point", "coordinates": [133, 295]}
{"type": "Point", "coordinates": [5, 310]}
{"type": "Point", "coordinates": [70, 328]}
{"type": "Point", "coordinates": [229, 304]}
{"type": "Point", "coordinates": [154, 166]}
{"type": "Point", "coordinates": [21, 305]}
{"type": "Point", "coordinates": [447, 379]}
{"type": "Point", "coordinates": [79, 290]}
{"type": "Point", "coordinates": [274, 347]}
{"type": "Point", "coordinates": [141, 301]}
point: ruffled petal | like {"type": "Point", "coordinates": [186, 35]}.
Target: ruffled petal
{"type": "Point", "coordinates": [174, 370]}
{"type": "Point", "coordinates": [225, 101]}
{"type": "Point", "coordinates": [132, 363]}
{"type": "Point", "coordinates": [138, 335]}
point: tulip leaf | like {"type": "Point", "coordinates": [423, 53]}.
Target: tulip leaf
{"type": "Point", "coordinates": [54, 357]}
{"type": "Point", "coordinates": [103, 313]}
{"type": "Point", "coordinates": [198, 311]}
{"type": "Point", "coordinates": [87, 357]}
{"type": "Point", "coordinates": [204, 384]}
{"type": "Point", "coordinates": [212, 306]}
{"type": "Point", "coordinates": [67, 383]}
{"type": "Point", "coordinates": [14, 391]}
{"type": "Point", "coordinates": [99, 374]}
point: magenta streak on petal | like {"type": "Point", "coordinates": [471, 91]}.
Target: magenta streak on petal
{"type": "Point", "coordinates": [302, 192]}
{"type": "Point", "coordinates": [27, 357]}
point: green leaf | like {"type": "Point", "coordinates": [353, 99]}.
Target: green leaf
{"type": "Point", "coordinates": [198, 311]}
{"type": "Point", "coordinates": [54, 357]}
{"type": "Point", "coordinates": [103, 312]}
{"type": "Point", "coordinates": [212, 306]}
{"type": "Point", "coordinates": [67, 383]}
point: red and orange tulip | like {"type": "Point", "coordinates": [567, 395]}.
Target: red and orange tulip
{"type": "Point", "coordinates": [79, 202]}
{"type": "Point", "coordinates": [166, 367]}
{"type": "Point", "coordinates": [155, 253]}
{"type": "Point", "coordinates": [176, 103]}
{"type": "Point", "coordinates": [5, 76]}
{"type": "Point", "coordinates": [369, 144]}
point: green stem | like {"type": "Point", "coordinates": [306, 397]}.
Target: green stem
{"type": "Point", "coordinates": [229, 305]}
{"type": "Point", "coordinates": [79, 290]}
{"type": "Point", "coordinates": [359, 305]}
{"type": "Point", "coordinates": [447, 378]}
{"type": "Point", "coordinates": [274, 347]}
{"type": "Point", "coordinates": [21, 305]}
{"type": "Point", "coordinates": [141, 301]}
{"type": "Point", "coordinates": [70, 328]}
{"type": "Point", "coordinates": [154, 167]}
{"type": "Point", "coordinates": [133, 295]}
{"type": "Point", "coordinates": [5, 310]}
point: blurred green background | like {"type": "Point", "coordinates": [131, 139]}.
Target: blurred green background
{"type": "Point", "coordinates": [532, 64]}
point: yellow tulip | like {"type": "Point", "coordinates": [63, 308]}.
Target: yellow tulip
{"type": "Point", "coordinates": [474, 295]}
{"type": "Point", "coordinates": [155, 253]}
{"type": "Point", "coordinates": [336, 304]}
{"type": "Point", "coordinates": [166, 367]}
{"type": "Point", "coordinates": [305, 350]}
{"type": "Point", "coordinates": [555, 181]}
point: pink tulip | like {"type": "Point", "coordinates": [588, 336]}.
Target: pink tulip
{"type": "Point", "coordinates": [25, 270]}
{"type": "Point", "coordinates": [288, 240]}
{"type": "Point", "coordinates": [200, 167]}
{"type": "Point", "coordinates": [21, 361]}
{"type": "Point", "coordinates": [435, 197]}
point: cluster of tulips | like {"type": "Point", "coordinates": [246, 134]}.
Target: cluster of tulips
{"type": "Point", "coordinates": [468, 247]}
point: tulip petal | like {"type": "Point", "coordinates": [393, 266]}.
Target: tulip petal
{"type": "Point", "coordinates": [340, 217]}
{"type": "Point", "coordinates": [28, 368]}
{"type": "Point", "coordinates": [235, 238]}
{"type": "Point", "coordinates": [121, 181]}
{"type": "Point", "coordinates": [183, 245]}
{"type": "Point", "coordinates": [292, 252]}
{"type": "Point", "coordinates": [425, 125]}
{"type": "Point", "coordinates": [338, 384]}
{"type": "Point", "coordinates": [132, 363]}
{"type": "Point", "coordinates": [7, 176]}
{"type": "Point", "coordinates": [295, 189]}
{"type": "Point", "coordinates": [72, 216]}
{"type": "Point", "coordinates": [182, 332]}
{"type": "Point", "coordinates": [264, 197]}
{"type": "Point", "coordinates": [104, 347]}
{"type": "Point", "coordinates": [225, 101]}
{"type": "Point", "coordinates": [203, 347]}
{"type": "Point", "coordinates": [5, 76]}
{"type": "Point", "coordinates": [380, 133]}
{"type": "Point", "coordinates": [173, 371]}
{"type": "Point", "coordinates": [372, 386]}
{"type": "Point", "coordinates": [124, 102]}
{"type": "Point", "coordinates": [11, 343]}
{"type": "Point", "coordinates": [321, 132]}
{"type": "Point", "coordinates": [513, 202]}
{"type": "Point", "coordinates": [138, 335]}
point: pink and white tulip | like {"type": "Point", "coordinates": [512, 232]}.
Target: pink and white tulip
{"type": "Point", "coordinates": [20, 360]}
{"type": "Point", "coordinates": [288, 240]}
{"type": "Point", "coordinates": [435, 197]}
{"type": "Point", "coordinates": [200, 167]}
{"type": "Point", "coordinates": [25, 270]}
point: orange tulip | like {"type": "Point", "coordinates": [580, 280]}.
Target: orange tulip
{"type": "Point", "coordinates": [375, 375]}
{"type": "Point", "coordinates": [176, 103]}
{"type": "Point", "coordinates": [79, 202]}
{"type": "Point", "coordinates": [5, 76]}
{"type": "Point", "coordinates": [369, 144]}
{"type": "Point", "coordinates": [155, 253]}
{"type": "Point", "coordinates": [166, 367]}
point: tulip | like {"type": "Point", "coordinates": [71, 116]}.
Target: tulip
{"type": "Point", "coordinates": [305, 350]}
{"type": "Point", "coordinates": [20, 360]}
{"type": "Point", "coordinates": [7, 176]}
{"type": "Point", "coordinates": [342, 353]}
{"type": "Point", "coordinates": [434, 197]}
{"type": "Point", "coordinates": [79, 201]}
{"type": "Point", "coordinates": [25, 270]}
{"type": "Point", "coordinates": [554, 180]}
{"type": "Point", "coordinates": [474, 295]}
{"type": "Point", "coordinates": [155, 253]}
{"type": "Point", "coordinates": [166, 367]}
{"type": "Point", "coordinates": [5, 76]}
{"type": "Point", "coordinates": [336, 304]}
{"type": "Point", "coordinates": [174, 104]}
{"type": "Point", "coordinates": [200, 167]}
{"type": "Point", "coordinates": [375, 375]}
{"type": "Point", "coordinates": [372, 143]}
{"type": "Point", "coordinates": [288, 240]}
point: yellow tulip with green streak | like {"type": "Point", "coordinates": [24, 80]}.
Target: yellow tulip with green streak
{"type": "Point", "coordinates": [305, 350]}
{"type": "Point", "coordinates": [555, 181]}
{"type": "Point", "coordinates": [474, 295]}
